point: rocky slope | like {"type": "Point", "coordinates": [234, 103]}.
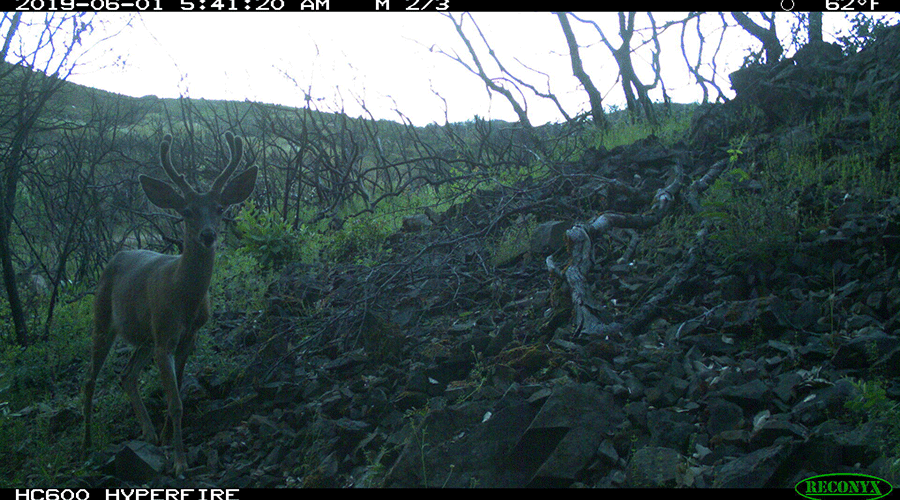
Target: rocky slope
{"type": "Point", "coordinates": [443, 367]}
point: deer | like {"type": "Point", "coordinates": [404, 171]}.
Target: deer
{"type": "Point", "coordinates": [157, 302]}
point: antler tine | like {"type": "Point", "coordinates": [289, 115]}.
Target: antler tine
{"type": "Point", "coordinates": [164, 158]}
{"type": "Point", "coordinates": [236, 149]}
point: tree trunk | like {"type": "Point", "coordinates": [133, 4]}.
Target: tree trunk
{"type": "Point", "coordinates": [17, 312]}
{"type": "Point", "coordinates": [768, 37]}
{"type": "Point", "coordinates": [594, 96]}
{"type": "Point", "coordinates": [815, 27]}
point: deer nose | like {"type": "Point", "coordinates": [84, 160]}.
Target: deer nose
{"type": "Point", "coordinates": [208, 237]}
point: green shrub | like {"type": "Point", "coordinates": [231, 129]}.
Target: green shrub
{"type": "Point", "coordinates": [270, 240]}
{"type": "Point", "coordinates": [872, 404]}
{"type": "Point", "coordinates": [748, 225]}
{"type": "Point", "coordinates": [239, 281]}
{"type": "Point", "coordinates": [361, 238]}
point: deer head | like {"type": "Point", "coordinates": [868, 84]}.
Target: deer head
{"type": "Point", "coordinates": [202, 212]}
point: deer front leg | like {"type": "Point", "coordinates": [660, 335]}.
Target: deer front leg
{"type": "Point", "coordinates": [166, 362]}
{"type": "Point", "coordinates": [130, 377]}
{"type": "Point", "coordinates": [182, 352]}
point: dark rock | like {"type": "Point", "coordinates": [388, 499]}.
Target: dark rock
{"type": "Point", "coordinates": [669, 429]}
{"type": "Point", "coordinates": [607, 454]}
{"type": "Point", "coordinates": [565, 434]}
{"type": "Point", "coordinates": [548, 237]}
{"type": "Point", "coordinates": [655, 467]}
{"type": "Point", "coordinates": [758, 469]}
{"type": "Point", "coordinates": [139, 461]}
{"type": "Point", "coordinates": [416, 223]}
{"type": "Point", "coordinates": [864, 350]}
{"type": "Point", "coordinates": [750, 396]}
{"type": "Point", "coordinates": [822, 404]}
{"type": "Point", "coordinates": [724, 416]}
{"type": "Point", "coordinates": [63, 419]}
{"type": "Point", "coordinates": [769, 429]}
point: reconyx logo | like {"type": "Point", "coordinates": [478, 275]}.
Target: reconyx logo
{"type": "Point", "coordinates": [832, 485]}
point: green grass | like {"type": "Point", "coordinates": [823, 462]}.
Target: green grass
{"type": "Point", "coordinates": [39, 385]}
{"type": "Point", "coordinates": [623, 131]}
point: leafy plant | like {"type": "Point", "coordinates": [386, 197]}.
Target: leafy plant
{"type": "Point", "coordinates": [735, 150]}
{"type": "Point", "coordinates": [359, 239]}
{"type": "Point", "coordinates": [265, 236]}
{"type": "Point", "coordinates": [239, 282]}
{"type": "Point", "coordinates": [873, 404]}
{"type": "Point", "coordinates": [416, 418]}
{"type": "Point", "coordinates": [872, 401]}
{"type": "Point", "coordinates": [749, 224]}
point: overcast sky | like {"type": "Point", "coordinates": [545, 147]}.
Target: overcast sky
{"type": "Point", "coordinates": [382, 59]}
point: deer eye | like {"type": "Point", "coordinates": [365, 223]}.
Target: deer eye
{"type": "Point", "coordinates": [220, 209]}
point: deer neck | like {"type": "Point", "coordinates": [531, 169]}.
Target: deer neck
{"type": "Point", "coordinates": [194, 269]}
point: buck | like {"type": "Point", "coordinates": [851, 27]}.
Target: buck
{"type": "Point", "coordinates": [157, 302]}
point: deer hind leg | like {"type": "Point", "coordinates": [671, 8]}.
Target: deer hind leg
{"type": "Point", "coordinates": [103, 337]}
{"type": "Point", "coordinates": [130, 377]}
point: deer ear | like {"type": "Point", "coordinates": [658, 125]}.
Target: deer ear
{"type": "Point", "coordinates": [161, 194]}
{"type": "Point", "coordinates": [239, 187]}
